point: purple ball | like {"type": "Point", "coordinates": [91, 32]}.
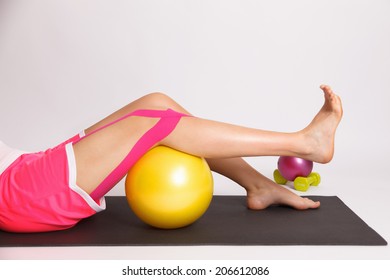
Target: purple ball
{"type": "Point", "coordinates": [292, 167]}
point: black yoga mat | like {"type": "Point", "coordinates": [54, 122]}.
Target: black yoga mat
{"type": "Point", "coordinates": [226, 222]}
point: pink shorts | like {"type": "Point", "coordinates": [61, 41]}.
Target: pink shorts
{"type": "Point", "coordinates": [51, 201]}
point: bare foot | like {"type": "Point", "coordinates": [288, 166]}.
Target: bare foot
{"type": "Point", "coordinates": [269, 193]}
{"type": "Point", "coordinates": [318, 146]}
{"type": "Point", "coordinates": [320, 133]}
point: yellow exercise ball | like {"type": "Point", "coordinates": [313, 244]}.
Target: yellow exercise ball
{"type": "Point", "coordinates": [169, 189]}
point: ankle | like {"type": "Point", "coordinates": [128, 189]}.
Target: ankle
{"type": "Point", "coordinates": [310, 148]}
{"type": "Point", "coordinates": [303, 145]}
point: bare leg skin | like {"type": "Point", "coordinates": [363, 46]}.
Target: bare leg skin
{"type": "Point", "coordinates": [221, 143]}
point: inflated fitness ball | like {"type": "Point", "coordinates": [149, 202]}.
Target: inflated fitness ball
{"type": "Point", "coordinates": [169, 189]}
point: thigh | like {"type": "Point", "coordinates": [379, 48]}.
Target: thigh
{"type": "Point", "coordinates": [98, 154]}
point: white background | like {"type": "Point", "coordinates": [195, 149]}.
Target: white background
{"type": "Point", "coordinates": [66, 64]}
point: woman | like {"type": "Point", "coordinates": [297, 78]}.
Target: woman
{"type": "Point", "coordinates": [55, 189]}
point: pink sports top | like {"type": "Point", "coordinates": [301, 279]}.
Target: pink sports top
{"type": "Point", "coordinates": [7, 156]}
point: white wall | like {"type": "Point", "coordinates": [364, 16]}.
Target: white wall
{"type": "Point", "coordinates": [66, 64]}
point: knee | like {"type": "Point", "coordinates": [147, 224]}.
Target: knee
{"type": "Point", "coordinates": [159, 100]}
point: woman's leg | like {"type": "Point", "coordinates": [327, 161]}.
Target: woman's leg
{"type": "Point", "coordinates": [97, 155]}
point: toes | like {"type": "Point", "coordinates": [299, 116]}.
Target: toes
{"type": "Point", "coordinates": [333, 99]}
{"type": "Point", "coordinates": [329, 94]}
{"type": "Point", "coordinates": [327, 89]}
{"type": "Point", "coordinates": [312, 204]}
{"type": "Point", "coordinates": [307, 204]}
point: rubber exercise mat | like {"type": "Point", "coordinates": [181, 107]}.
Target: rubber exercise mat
{"type": "Point", "coordinates": [226, 222]}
